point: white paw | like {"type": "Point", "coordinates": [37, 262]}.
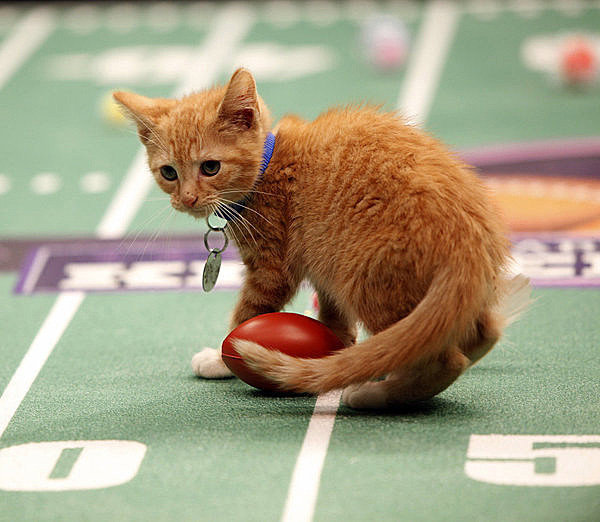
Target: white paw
{"type": "Point", "coordinates": [209, 365]}
{"type": "Point", "coordinates": [365, 396]}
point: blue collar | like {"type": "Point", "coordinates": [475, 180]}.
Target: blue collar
{"type": "Point", "coordinates": [232, 210]}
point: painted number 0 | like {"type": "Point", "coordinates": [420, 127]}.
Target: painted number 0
{"type": "Point", "coordinates": [534, 460]}
{"type": "Point", "coordinates": [69, 465]}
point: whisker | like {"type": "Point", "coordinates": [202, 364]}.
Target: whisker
{"type": "Point", "coordinates": [237, 217]}
{"type": "Point", "coordinates": [146, 222]}
{"type": "Point", "coordinates": [231, 225]}
{"type": "Point", "coordinates": [247, 223]}
{"type": "Point", "coordinates": [232, 219]}
{"type": "Point", "coordinates": [248, 208]}
{"type": "Point", "coordinates": [235, 229]}
{"type": "Point", "coordinates": [214, 209]}
{"type": "Point", "coordinates": [155, 235]}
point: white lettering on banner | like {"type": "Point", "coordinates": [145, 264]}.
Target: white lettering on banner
{"type": "Point", "coordinates": [91, 276]}
{"type": "Point", "coordinates": [591, 264]}
{"type": "Point", "coordinates": [548, 260]}
{"type": "Point", "coordinates": [143, 275]}
{"type": "Point", "coordinates": [154, 274]}
{"type": "Point", "coordinates": [545, 265]}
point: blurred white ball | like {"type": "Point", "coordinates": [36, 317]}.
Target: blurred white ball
{"type": "Point", "coordinates": [385, 42]}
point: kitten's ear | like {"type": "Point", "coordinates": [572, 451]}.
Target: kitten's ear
{"type": "Point", "coordinates": [144, 111]}
{"type": "Point", "coordinates": [239, 107]}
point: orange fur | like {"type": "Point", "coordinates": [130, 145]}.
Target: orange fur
{"type": "Point", "coordinates": [390, 227]}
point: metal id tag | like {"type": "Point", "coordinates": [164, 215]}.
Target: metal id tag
{"type": "Point", "coordinates": [211, 270]}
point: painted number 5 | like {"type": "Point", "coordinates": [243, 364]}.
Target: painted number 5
{"type": "Point", "coordinates": [534, 460]}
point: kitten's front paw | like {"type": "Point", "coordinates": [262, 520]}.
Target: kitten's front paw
{"type": "Point", "coordinates": [209, 365]}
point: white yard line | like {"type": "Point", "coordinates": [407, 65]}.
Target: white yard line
{"type": "Point", "coordinates": [41, 256]}
{"type": "Point", "coordinates": [26, 37]}
{"type": "Point", "coordinates": [422, 77]}
{"type": "Point", "coordinates": [63, 310]}
{"type": "Point", "coordinates": [427, 60]}
{"type": "Point", "coordinates": [304, 487]}
{"type": "Point", "coordinates": [229, 28]}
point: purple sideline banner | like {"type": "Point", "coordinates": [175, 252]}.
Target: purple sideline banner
{"type": "Point", "coordinates": [550, 259]}
{"type": "Point", "coordinates": [108, 266]}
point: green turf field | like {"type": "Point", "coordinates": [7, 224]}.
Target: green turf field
{"type": "Point", "coordinates": [101, 416]}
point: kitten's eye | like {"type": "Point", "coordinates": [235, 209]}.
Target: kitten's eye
{"type": "Point", "coordinates": [168, 172]}
{"type": "Point", "coordinates": [210, 167]}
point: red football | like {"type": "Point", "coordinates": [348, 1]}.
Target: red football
{"type": "Point", "coordinates": [293, 334]}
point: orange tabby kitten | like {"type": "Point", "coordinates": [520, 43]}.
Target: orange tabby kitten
{"type": "Point", "coordinates": [391, 228]}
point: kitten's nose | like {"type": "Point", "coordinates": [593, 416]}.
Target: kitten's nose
{"type": "Point", "coordinates": [189, 200]}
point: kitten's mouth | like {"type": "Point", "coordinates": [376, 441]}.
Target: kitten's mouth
{"type": "Point", "coordinates": [198, 213]}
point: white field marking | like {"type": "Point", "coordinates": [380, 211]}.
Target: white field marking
{"type": "Point", "coordinates": [99, 464]}
{"type": "Point", "coordinates": [427, 60]}
{"type": "Point", "coordinates": [95, 182]}
{"type": "Point", "coordinates": [56, 322]}
{"type": "Point", "coordinates": [26, 37]}
{"type": "Point", "coordinates": [5, 184]}
{"type": "Point", "coordinates": [432, 49]}
{"type": "Point", "coordinates": [527, 8]}
{"type": "Point", "coordinates": [45, 183]}
{"type": "Point", "coordinates": [230, 27]}
{"type": "Point", "coordinates": [304, 487]}
{"type": "Point", "coordinates": [128, 199]}
{"type": "Point", "coordinates": [36, 269]}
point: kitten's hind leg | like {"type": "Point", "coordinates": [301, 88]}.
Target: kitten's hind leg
{"type": "Point", "coordinates": [408, 385]}
{"type": "Point", "coordinates": [515, 298]}
{"type": "Point", "coordinates": [489, 330]}
{"type": "Point", "coordinates": [332, 317]}
{"type": "Point", "coordinates": [209, 365]}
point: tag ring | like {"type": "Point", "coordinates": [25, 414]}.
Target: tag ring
{"type": "Point", "coordinates": [216, 250]}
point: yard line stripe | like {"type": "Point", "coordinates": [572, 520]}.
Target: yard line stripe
{"type": "Point", "coordinates": [56, 322]}
{"type": "Point", "coordinates": [422, 77]}
{"type": "Point", "coordinates": [304, 487]}
{"type": "Point", "coordinates": [427, 60]}
{"type": "Point", "coordinates": [35, 271]}
{"type": "Point", "coordinates": [26, 37]}
{"type": "Point", "coordinates": [230, 28]}
{"type": "Point", "coordinates": [127, 200]}
{"type": "Point", "coordinates": [234, 20]}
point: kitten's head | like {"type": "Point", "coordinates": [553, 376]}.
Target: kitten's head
{"type": "Point", "coordinates": [206, 148]}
